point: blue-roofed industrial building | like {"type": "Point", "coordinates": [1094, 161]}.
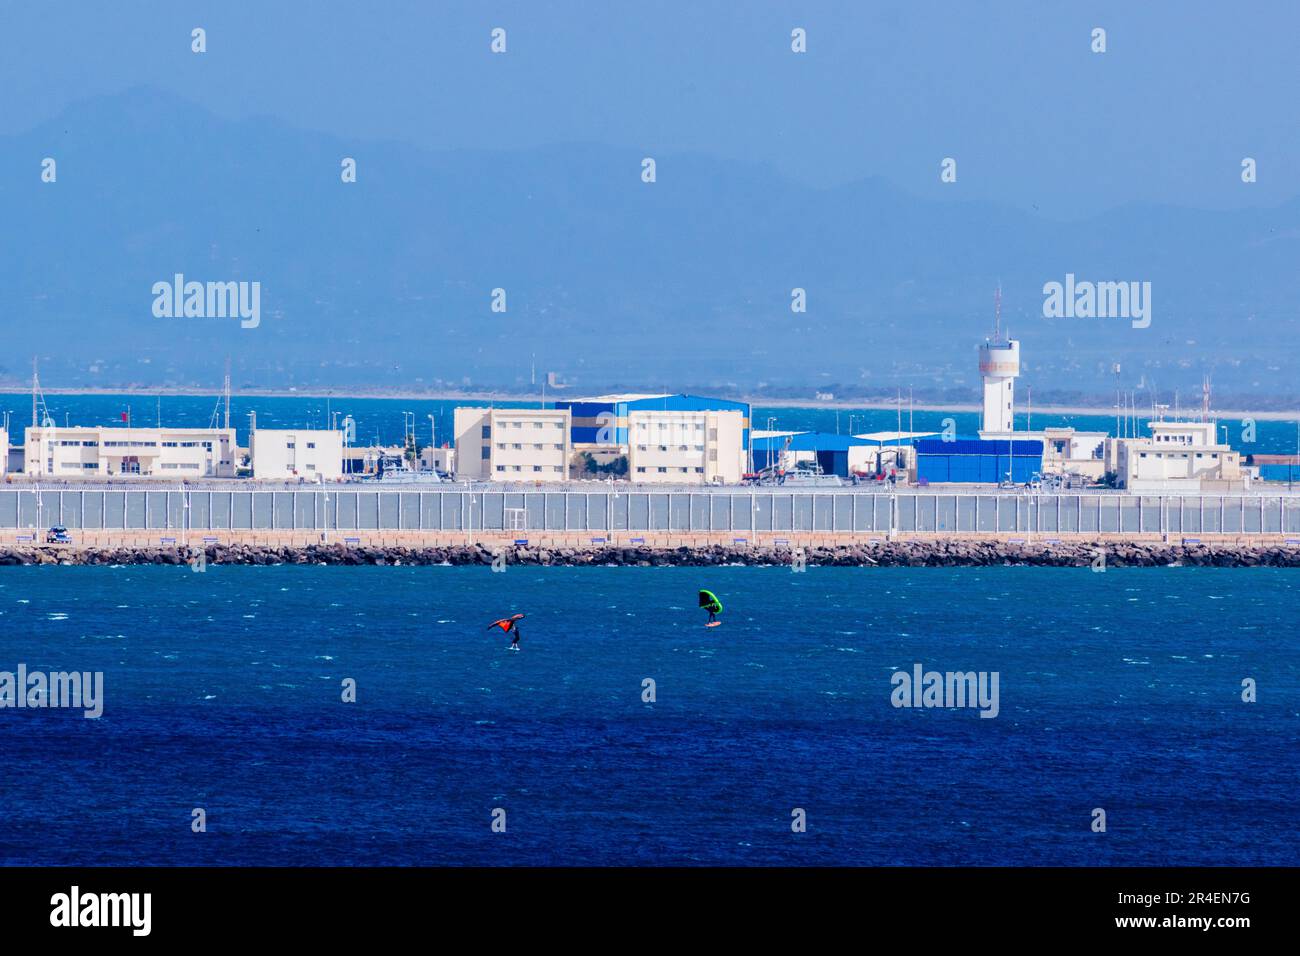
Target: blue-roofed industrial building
{"type": "Point", "coordinates": [973, 460]}
{"type": "Point", "coordinates": [831, 452]}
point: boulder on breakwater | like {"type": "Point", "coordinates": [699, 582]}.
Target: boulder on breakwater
{"type": "Point", "coordinates": [912, 553]}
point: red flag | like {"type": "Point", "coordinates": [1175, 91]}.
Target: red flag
{"type": "Point", "coordinates": [124, 416]}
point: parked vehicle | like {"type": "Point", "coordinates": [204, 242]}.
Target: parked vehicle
{"type": "Point", "coordinates": [58, 535]}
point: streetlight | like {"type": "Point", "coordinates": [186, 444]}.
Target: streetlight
{"type": "Point", "coordinates": [433, 442]}
{"type": "Point", "coordinates": [325, 517]}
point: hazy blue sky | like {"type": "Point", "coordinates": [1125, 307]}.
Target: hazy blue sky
{"type": "Point", "coordinates": [1010, 89]}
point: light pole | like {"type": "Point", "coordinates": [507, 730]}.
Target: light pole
{"type": "Point", "coordinates": [469, 523]}
{"type": "Point", "coordinates": [433, 442]}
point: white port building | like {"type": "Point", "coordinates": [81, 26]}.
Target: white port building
{"type": "Point", "coordinates": [512, 444]}
{"type": "Point", "coordinates": [438, 459]}
{"type": "Point", "coordinates": [686, 446]}
{"type": "Point", "coordinates": [109, 451]}
{"type": "Point", "coordinates": [289, 453]}
{"type": "Point", "coordinates": [1178, 456]}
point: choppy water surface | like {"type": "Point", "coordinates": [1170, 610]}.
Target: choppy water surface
{"type": "Point", "coordinates": [1119, 690]}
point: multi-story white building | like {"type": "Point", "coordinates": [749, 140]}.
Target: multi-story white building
{"type": "Point", "coordinates": [694, 447]}
{"type": "Point", "coordinates": [512, 444]}
{"type": "Point", "coordinates": [104, 451]}
{"type": "Point", "coordinates": [288, 453]}
{"type": "Point", "coordinates": [1177, 456]}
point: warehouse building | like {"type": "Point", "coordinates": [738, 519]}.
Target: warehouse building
{"type": "Point", "coordinates": [512, 444]}
{"type": "Point", "coordinates": [973, 460]}
{"type": "Point", "coordinates": [103, 451]}
{"type": "Point", "coordinates": [288, 453]}
{"type": "Point", "coordinates": [832, 454]}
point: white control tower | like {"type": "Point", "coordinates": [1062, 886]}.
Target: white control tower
{"type": "Point", "coordinates": [999, 366]}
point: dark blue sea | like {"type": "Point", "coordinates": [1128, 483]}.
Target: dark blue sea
{"type": "Point", "coordinates": [1118, 690]}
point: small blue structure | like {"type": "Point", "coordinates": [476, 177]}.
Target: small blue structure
{"type": "Point", "coordinates": [1274, 472]}
{"type": "Point", "coordinates": [975, 460]}
{"type": "Point", "coordinates": [830, 450]}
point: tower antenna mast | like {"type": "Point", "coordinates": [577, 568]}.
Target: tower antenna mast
{"type": "Point", "coordinates": [997, 313]}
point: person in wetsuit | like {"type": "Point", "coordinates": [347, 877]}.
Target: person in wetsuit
{"type": "Point", "coordinates": [709, 601]}
{"type": "Point", "coordinates": [509, 625]}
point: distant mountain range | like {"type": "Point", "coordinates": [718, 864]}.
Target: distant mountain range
{"type": "Point", "coordinates": [684, 283]}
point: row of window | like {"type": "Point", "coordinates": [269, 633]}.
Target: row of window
{"type": "Point", "coordinates": [535, 468]}
{"type": "Point", "coordinates": [502, 446]}
{"type": "Point", "coordinates": [681, 471]}
{"type": "Point", "coordinates": [141, 444]}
